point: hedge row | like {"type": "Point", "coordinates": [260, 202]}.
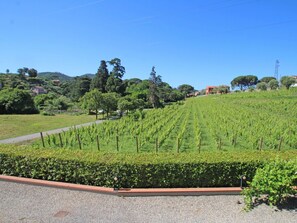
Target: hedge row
{"type": "Point", "coordinates": [132, 170]}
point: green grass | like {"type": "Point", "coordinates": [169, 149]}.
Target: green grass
{"type": "Point", "coordinates": [18, 125]}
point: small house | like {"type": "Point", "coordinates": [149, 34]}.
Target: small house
{"type": "Point", "coordinates": [38, 90]}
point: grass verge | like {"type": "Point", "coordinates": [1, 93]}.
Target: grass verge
{"type": "Point", "coordinates": [18, 125]}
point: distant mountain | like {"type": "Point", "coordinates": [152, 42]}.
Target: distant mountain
{"type": "Point", "coordinates": [54, 76]}
{"type": "Point", "coordinates": [88, 75]}
{"type": "Point", "coordinates": [60, 76]}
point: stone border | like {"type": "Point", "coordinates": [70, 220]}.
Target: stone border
{"type": "Point", "coordinates": [125, 192]}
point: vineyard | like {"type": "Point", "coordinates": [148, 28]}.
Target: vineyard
{"type": "Point", "coordinates": [239, 121]}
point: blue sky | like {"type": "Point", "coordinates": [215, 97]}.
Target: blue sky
{"type": "Point", "coordinates": [188, 41]}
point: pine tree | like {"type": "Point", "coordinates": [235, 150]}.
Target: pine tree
{"type": "Point", "coordinates": [155, 81]}
{"type": "Point", "coordinates": [100, 80]}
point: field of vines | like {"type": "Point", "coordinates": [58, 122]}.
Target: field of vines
{"type": "Point", "coordinates": [238, 121]}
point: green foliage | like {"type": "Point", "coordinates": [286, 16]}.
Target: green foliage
{"type": "Point", "coordinates": [244, 82]}
{"type": "Point", "coordinates": [62, 103]}
{"type": "Point", "coordinates": [243, 121]}
{"type": "Point", "coordinates": [95, 100]}
{"type": "Point", "coordinates": [267, 79]}
{"type": "Point", "coordinates": [100, 80]}
{"type": "Point", "coordinates": [109, 102]}
{"type": "Point", "coordinates": [42, 100]}
{"type": "Point", "coordinates": [118, 70]}
{"type": "Point", "coordinates": [130, 104]}
{"type": "Point", "coordinates": [222, 89]}
{"type": "Point", "coordinates": [115, 84]}
{"type": "Point", "coordinates": [154, 95]}
{"type": "Point", "coordinates": [185, 89]}
{"type": "Point", "coordinates": [78, 87]}
{"type": "Point", "coordinates": [287, 81]}
{"type": "Point", "coordinates": [32, 72]}
{"type": "Point", "coordinates": [273, 84]}
{"type": "Point", "coordinates": [273, 182]}
{"type": "Point", "coordinates": [49, 76]}
{"type": "Point", "coordinates": [92, 100]}
{"type": "Point", "coordinates": [15, 101]}
{"type": "Point", "coordinates": [262, 86]}
{"type": "Point", "coordinates": [134, 170]}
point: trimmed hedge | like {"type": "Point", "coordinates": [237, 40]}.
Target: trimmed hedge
{"type": "Point", "coordinates": [221, 169]}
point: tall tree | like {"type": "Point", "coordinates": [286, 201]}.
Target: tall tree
{"type": "Point", "coordinates": [244, 82]}
{"type": "Point", "coordinates": [79, 87]}
{"type": "Point", "coordinates": [114, 82]}
{"type": "Point", "coordinates": [273, 84]}
{"type": "Point", "coordinates": [155, 81]}
{"type": "Point", "coordinates": [109, 102]}
{"type": "Point", "coordinates": [32, 72]}
{"type": "Point", "coordinates": [100, 80]}
{"type": "Point", "coordinates": [7, 71]}
{"type": "Point", "coordinates": [26, 69]}
{"type": "Point", "coordinates": [16, 101]}
{"type": "Point", "coordinates": [118, 70]}
{"type": "Point", "coordinates": [267, 79]}
{"type": "Point", "coordinates": [185, 88]}
{"type": "Point", "coordinates": [287, 81]}
{"type": "Point", "coordinates": [262, 86]}
{"type": "Point", "coordinates": [21, 72]}
{"type": "Point", "coordinates": [92, 101]}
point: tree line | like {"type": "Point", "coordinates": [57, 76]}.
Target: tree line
{"type": "Point", "coordinates": [252, 82]}
{"type": "Point", "coordinates": [106, 91]}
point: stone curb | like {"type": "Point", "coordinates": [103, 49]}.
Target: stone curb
{"type": "Point", "coordinates": [127, 192]}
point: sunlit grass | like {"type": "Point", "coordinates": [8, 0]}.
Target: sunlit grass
{"type": "Point", "coordinates": [18, 125]}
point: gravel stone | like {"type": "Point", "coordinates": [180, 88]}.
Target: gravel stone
{"type": "Point", "coordinates": [27, 203]}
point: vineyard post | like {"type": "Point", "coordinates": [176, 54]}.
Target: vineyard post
{"type": "Point", "coordinates": [157, 145]}
{"type": "Point", "coordinates": [220, 143]}
{"type": "Point", "coordinates": [280, 143]}
{"type": "Point", "coordinates": [178, 144]}
{"type": "Point", "coordinates": [60, 137]}
{"type": "Point", "coordinates": [79, 142]}
{"type": "Point", "coordinates": [199, 145]}
{"type": "Point", "coordinates": [234, 140]}
{"type": "Point", "coordinates": [98, 145]}
{"type": "Point", "coordinates": [261, 143]}
{"type": "Point", "coordinates": [42, 139]}
{"type": "Point", "coordinates": [117, 141]}
{"type": "Point", "coordinates": [137, 148]}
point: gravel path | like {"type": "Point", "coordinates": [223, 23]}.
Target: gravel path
{"type": "Point", "coordinates": [25, 138]}
{"type": "Point", "coordinates": [27, 203]}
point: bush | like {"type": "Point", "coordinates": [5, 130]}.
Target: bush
{"type": "Point", "coordinates": [16, 101]}
{"type": "Point", "coordinates": [275, 181]}
{"type": "Point", "coordinates": [262, 86]}
{"type": "Point", "coordinates": [130, 175]}
{"type": "Point", "coordinates": [133, 170]}
{"type": "Point", "coordinates": [48, 113]}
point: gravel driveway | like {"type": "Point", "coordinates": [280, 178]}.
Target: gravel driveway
{"type": "Point", "coordinates": [27, 203]}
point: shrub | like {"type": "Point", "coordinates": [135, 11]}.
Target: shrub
{"type": "Point", "coordinates": [262, 86]}
{"type": "Point", "coordinates": [16, 101]}
{"type": "Point", "coordinates": [143, 170]}
{"type": "Point", "coordinates": [274, 183]}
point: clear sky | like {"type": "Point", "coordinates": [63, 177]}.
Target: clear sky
{"type": "Point", "coordinates": [193, 42]}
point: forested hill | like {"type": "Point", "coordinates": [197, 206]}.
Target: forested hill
{"type": "Point", "coordinates": [60, 76]}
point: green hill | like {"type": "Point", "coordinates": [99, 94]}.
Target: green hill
{"type": "Point", "coordinates": [54, 76]}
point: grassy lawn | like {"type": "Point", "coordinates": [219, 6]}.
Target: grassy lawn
{"type": "Point", "coordinates": [18, 125]}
